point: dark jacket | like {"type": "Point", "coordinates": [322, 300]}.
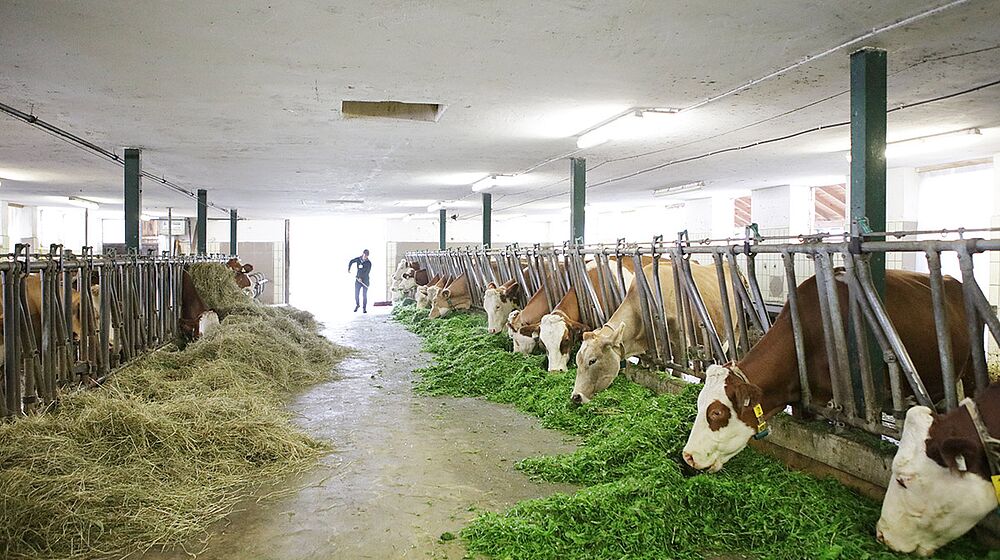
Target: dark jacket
{"type": "Point", "coordinates": [364, 268]}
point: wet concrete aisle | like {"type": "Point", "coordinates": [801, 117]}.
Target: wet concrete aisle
{"type": "Point", "coordinates": [405, 469]}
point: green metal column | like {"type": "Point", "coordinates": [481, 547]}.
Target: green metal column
{"type": "Point", "coordinates": [487, 219]}
{"type": "Point", "coordinates": [232, 232]}
{"type": "Point", "coordinates": [202, 228]}
{"type": "Point", "coordinates": [443, 217]}
{"type": "Point", "coordinates": [868, 192]}
{"type": "Point", "coordinates": [133, 197]}
{"type": "Point", "coordinates": [868, 106]}
{"type": "Point", "coordinates": [578, 192]}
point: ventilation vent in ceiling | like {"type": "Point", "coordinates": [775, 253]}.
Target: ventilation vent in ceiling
{"type": "Point", "coordinates": [427, 112]}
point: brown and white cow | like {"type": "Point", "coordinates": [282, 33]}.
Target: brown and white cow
{"type": "Point", "coordinates": [940, 486]}
{"type": "Point", "coordinates": [523, 324]}
{"type": "Point", "coordinates": [240, 272]}
{"type": "Point", "coordinates": [196, 318]}
{"type": "Point", "coordinates": [725, 421]}
{"type": "Point", "coordinates": [561, 329]}
{"type": "Point", "coordinates": [425, 294]}
{"type": "Point", "coordinates": [499, 302]}
{"type": "Point", "coordinates": [455, 296]}
{"type": "Point", "coordinates": [623, 336]}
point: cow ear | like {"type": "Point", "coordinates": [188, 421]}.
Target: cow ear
{"type": "Point", "coordinates": [446, 292]}
{"type": "Point", "coordinates": [958, 452]}
{"type": "Point", "coordinates": [491, 286]}
{"type": "Point", "coordinates": [575, 328]}
{"type": "Point", "coordinates": [588, 335]}
{"type": "Point", "coordinates": [744, 394]}
{"type": "Point", "coordinates": [619, 336]}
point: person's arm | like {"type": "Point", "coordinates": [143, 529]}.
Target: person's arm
{"type": "Point", "coordinates": [350, 264]}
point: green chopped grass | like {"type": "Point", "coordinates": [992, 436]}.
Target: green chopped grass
{"type": "Point", "coordinates": [636, 501]}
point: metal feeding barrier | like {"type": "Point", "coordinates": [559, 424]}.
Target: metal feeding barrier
{"type": "Point", "coordinates": [72, 319]}
{"type": "Point", "coordinates": [682, 337]}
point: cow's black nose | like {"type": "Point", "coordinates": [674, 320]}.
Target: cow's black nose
{"type": "Point", "coordinates": [577, 398]}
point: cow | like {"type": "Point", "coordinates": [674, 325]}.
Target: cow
{"type": "Point", "coordinates": [940, 486]}
{"type": "Point", "coordinates": [523, 324]}
{"type": "Point", "coordinates": [427, 293]}
{"type": "Point", "coordinates": [623, 336]}
{"type": "Point", "coordinates": [768, 375]}
{"type": "Point", "coordinates": [196, 318]}
{"type": "Point", "coordinates": [561, 329]}
{"type": "Point", "coordinates": [239, 272]}
{"type": "Point", "coordinates": [499, 302]}
{"type": "Point", "coordinates": [455, 296]}
{"type": "Point", "coordinates": [33, 297]}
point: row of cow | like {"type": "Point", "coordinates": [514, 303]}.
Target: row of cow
{"type": "Point", "coordinates": [195, 318]}
{"type": "Point", "coordinates": [941, 483]}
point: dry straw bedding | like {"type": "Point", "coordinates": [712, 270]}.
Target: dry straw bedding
{"type": "Point", "coordinates": [171, 444]}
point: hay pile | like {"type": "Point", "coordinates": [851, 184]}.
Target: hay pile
{"type": "Point", "coordinates": [170, 445]}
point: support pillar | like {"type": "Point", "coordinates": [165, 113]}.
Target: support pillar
{"type": "Point", "coordinates": [232, 232]}
{"type": "Point", "coordinates": [868, 125]}
{"type": "Point", "coordinates": [578, 194]}
{"type": "Point", "coordinates": [487, 219]}
{"type": "Point", "coordinates": [133, 198]}
{"type": "Point", "coordinates": [442, 238]}
{"type": "Point", "coordinates": [868, 178]}
{"type": "Point", "coordinates": [201, 231]}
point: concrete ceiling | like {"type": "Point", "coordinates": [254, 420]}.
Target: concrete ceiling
{"type": "Point", "coordinates": [243, 98]}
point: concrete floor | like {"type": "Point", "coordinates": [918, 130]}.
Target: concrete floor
{"type": "Point", "coordinates": [405, 469]}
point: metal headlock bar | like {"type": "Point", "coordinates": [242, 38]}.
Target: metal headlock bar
{"type": "Point", "coordinates": [70, 320]}
{"type": "Point", "coordinates": [680, 329]}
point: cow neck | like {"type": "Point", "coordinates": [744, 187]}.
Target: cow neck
{"type": "Point", "coordinates": [768, 366]}
{"type": "Point", "coordinates": [633, 339]}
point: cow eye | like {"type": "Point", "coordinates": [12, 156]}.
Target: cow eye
{"type": "Point", "coordinates": [900, 482]}
{"type": "Point", "coordinates": [592, 361]}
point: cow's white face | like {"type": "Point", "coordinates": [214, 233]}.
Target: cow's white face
{"type": "Point", "coordinates": [598, 362]}
{"type": "Point", "coordinates": [718, 433]}
{"type": "Point", "coordinates": [208, 323]}
{"type": "Point", "coordinates": [423, 299]}
{"type": "Point", "coordinates": [497, 308]}
{"type": "Point", "coordinates": [522, 344]}
{"type": "Point", "coordinates": [554, 336]}
{"type": "Point", "coordinates": [927, 505]}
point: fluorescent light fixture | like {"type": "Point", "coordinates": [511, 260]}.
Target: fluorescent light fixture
{"type": "Point", "coordinates": [640, 122]}
{"type": "Point", "coordinates": [931, 143]}
{"type": "Point", "coordinates": [146, 217]}
{"type": "Point", "coordinates": [408, 218]}
{"type": "Point", "coordinates": [414, 202]}
{"type": "Point", "coordinates": [82, 202]}
{"type": "Point", "coordinates": [678, 189]}
{"type": "Point", "coordinates": [436, 206]}
{"type": "Point", "coordinates": [487, 182]}
{"type": "Point", "coordinates": [345, 201]}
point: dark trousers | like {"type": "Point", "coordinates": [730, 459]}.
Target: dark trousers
{"type": "Point", "coordinates": [358, 287]}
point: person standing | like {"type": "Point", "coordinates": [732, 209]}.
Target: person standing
{"type": "Point", "coordinates": [361, 279]}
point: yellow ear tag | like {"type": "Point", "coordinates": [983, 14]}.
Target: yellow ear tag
{"type": "Point", "coordinates": [759, 413]}
{"type": "Point", "coordinates": [996, 485]}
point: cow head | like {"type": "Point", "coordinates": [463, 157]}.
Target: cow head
{"type": "Point", "coordinates": [525, 337]}
{"type": "Point", "coordinates": [498, 303]}
{"type": "Point", "coordinates": [454, 296]}
{"type": "Point", "coordinates": [725, 421]}
{"type": "Point", "coordinates": [933, 497]}
{"type": "Point", "coordinates": [598, 361]}
{"type": "Point", "coordinates": [234, 264]}
{"type": "Point", "coordinates": [422, 297]}
{"type": "Point", "coordinates": [557, 333]}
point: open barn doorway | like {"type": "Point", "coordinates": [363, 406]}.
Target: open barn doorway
{"type": "Point", "coordinates": [320, 249]}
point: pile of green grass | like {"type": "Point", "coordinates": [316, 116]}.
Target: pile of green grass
{"type": "Point", "coordinates": [168, 446]}
{"type": "Point", "coordinates": [636, 501]}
